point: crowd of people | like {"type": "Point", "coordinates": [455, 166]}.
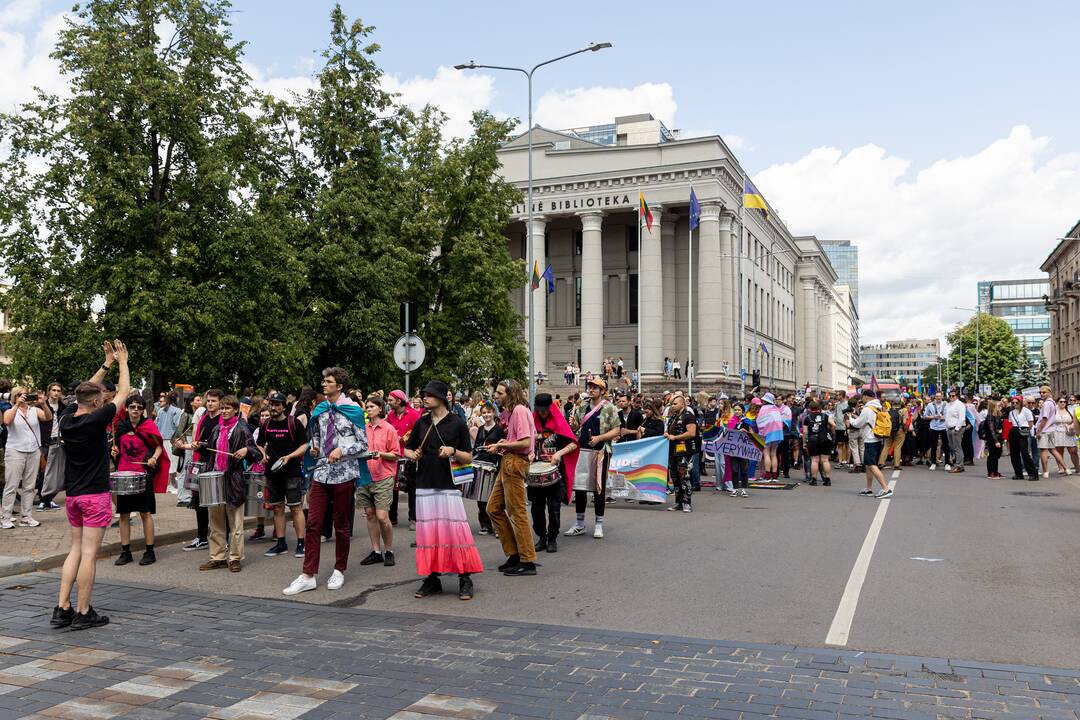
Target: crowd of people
{"type": "Point", "coordinates": [320, 455]}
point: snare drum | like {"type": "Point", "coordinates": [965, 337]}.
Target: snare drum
{"type": "Point", "coordinates": [127, 482]}
{"type": "Point", "coordinates": [256, 493]}
{"type": "Point", "coordinates": [483, 482]}
{"type": "Point", "coordinates": [211, 488]}
{"type": "Point", "coordinates": [543, 474]}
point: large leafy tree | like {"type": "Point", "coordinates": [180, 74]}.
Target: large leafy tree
{"type": "Point", "coordinates": [140, 205]}
{"type": "Point", "coordinates": [999, 352]}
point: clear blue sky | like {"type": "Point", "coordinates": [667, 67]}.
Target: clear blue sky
{"type": "Point", "coordinates": [925, 79]}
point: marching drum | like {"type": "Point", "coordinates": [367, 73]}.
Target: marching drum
{"type": "Point", "coordinates": [126, 482]}
{"type": "Point", "coordinates": [483, 481]}
{"type": "Point", "coordinates": [256, 493]}
{"type": "Point", "coordinates": [211, 488]}
{"type": "Point", "coordinates": [543, 474]}
{"type": "Point", "coordinates": [585, 478]}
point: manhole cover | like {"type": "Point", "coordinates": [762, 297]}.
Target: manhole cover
{"type": "Point", "coordinates": [1036, 493]}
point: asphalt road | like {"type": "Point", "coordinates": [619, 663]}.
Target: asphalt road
{"type": "Point", "coordinates": [998, 579]}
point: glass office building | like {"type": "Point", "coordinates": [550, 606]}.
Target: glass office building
{"type": "Point", "coordinates": [1020, 303]}
{"type": "Point", "coordinates": [845, 260]}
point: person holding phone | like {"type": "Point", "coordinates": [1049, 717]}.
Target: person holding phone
{"type": "Point", "coordinates": [22, 454]}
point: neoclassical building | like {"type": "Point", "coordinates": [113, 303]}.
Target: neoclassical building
{"type": "Point", "coordinates": [735, 307]}
{"type": "Point", "coordinates": [1063, 303]}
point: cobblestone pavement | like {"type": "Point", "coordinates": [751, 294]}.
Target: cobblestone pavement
{"type": "Point", "coordinates": [173, 654]}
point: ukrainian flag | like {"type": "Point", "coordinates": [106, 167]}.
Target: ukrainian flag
{"type": "Point", "coordinates": [752, 198]}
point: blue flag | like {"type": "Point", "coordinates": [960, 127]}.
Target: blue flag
{"type": "Point", "coordinates": [695, 210]}
{"type": "Point", "coordinates": [549, 275]}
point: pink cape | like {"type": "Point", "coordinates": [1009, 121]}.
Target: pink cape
{"type": "Point", "coordinates": [149, 429]}
{"type": "Point", "coordinates": [557, 424]}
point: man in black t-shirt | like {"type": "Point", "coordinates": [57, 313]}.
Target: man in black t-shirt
{"type": "Point", "coordinates": [630, 418]}
{"type": "Point", "coordinates": [86, 484]}
{"type": "Point", "coordinates": [284, 439]}
{"type": "Point", "coordinates": [681, 432]}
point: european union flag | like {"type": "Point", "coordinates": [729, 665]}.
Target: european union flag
{"type": "Point", "coordinates": [695, 210]}
{"type": "Point", "coordinates": [549, 275]}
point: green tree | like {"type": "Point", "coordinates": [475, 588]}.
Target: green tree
{"type": "Point", "coordinates": [998, 351]}
{"type": "Point", "coordinates": [140, 205]}
{"type": "Point", "coordinates": [1027, 374]}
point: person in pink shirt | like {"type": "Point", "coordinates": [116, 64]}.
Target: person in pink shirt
{"type": "Point", "coordinates": [506, 506]}
{"type": "Point", "coordinates": [374, 498]}
{"type": "Point", "coordinates": [402, 417]}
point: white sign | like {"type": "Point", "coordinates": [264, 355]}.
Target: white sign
{"type": "Point", "coordinates": [409, 352]}
{"type": "Point", "coordinates": [739, 444]}
{"type": "Point", "coordinates": [984, 389]}
{"type": "Point", "coordinates": [1030, 393]}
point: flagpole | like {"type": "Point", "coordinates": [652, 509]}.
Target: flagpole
{"type": "Point", "coordinates": [690, 320]}
{"type": "Point", "coordinates": [640, 348]}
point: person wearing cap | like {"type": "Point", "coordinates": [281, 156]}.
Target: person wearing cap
{"type": "Point", "coordinates": [438, 444]}
{"type": "Point", "coordinates": [402, 417]}
{"type": "Point", "coordinates": [284, 441]}
{"type": "Point", "coordinates": [555, 444]}
{"type": "Point", "coordinates": [597, 423]}
{"type": "Point", "coordinates": [506, 506]}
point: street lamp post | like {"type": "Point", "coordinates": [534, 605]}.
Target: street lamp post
{"type": "Point", "coordinates": [473, 65]}
{"type": "Point", "coordinates": [977, 313]}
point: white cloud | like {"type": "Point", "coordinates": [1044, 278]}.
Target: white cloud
{"type": "Point", "coordinates": [24, 53]}
{"type": "Point", "coordinates": [599, 104]}
{"type": "Point", "coordinates": [457, 93]}
{"type": "Point", "coordinates": [925, 241]}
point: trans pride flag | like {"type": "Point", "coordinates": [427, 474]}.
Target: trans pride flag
{"type": "Point", "coordinates": [644, 464]}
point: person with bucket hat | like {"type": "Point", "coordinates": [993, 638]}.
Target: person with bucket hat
{"type": "Point", "coordinates": [440, 448]}
{"type": "Point", "coordinates": [597, 424]}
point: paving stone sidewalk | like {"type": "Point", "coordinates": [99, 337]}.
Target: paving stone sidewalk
{"type": "Point", "coordinates": [171, 654]}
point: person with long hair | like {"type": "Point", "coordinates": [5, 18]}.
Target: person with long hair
{"type": "Point", "coordinates": [485, 431]}
{"type": "Point", "coordinates": [506, 506]}
{"type": "Point", "coordinates": [51, 476]}
{"type": "Point", "coordinates": [139, 447]}
{"type": "Point", "coordinates": [555, 444]}
{"type": "Point", "coordinates": [992, 430]}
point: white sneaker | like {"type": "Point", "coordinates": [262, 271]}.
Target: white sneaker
{"type": "Point", "coordinates": [6, 525]}
{"type": "Point", "coordinates": [948, 467]}
{"type": "Point", "coordinates": [575, 530]}
{"type": "Point", "coordinates": [301, 584]}
{"type": "Point", "coordinates": [28, 522]}
{"type": "Point", "coordinates": [934, 466]}
{"type": "Point", "coordinates": [598, 532]}
{"type": "Point", "coordinates": [743, 493]}
{"type": "Point", "coordinates": [884, 494]}
{"type": "Point", "coordinates": [335, 581]}
{"type": "Point", "coordinates": [734, 493]}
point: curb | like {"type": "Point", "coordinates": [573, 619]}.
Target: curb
{"type": "Point", "coordinates": [49, 562]}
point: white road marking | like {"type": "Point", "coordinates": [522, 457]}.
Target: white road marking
{"type": "Point", "coordinates": [928, 559]}
{"type": "Point", "coordinates": [845, 612]}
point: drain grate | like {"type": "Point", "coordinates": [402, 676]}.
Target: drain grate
{"type": "Point", "coordinates": [1036, 493]}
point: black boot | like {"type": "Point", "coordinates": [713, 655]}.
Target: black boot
{"type": "Point", "coordinates": [148, 558]}
{"type": "Point", "coordinates": [553, 545]}
{"type": "Point", "coordinates": [812, 481]}
{"type": "Point", "coordinates": [826, 482]}
{"type": "Point", "coordinates": [125, 556]}
{"type": "Point", "coordinates": [541, 546]}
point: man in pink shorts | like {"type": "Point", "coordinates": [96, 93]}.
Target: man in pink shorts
{"type": "Point", "coordinates": [86, 484]}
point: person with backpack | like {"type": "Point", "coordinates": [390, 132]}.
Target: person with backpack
{"type": "Point", "coordinates": [874, 426]}
{"type": "Point", "coordinates": [819, 436]}
{"type": "Point", "coordinates": [898, 418]}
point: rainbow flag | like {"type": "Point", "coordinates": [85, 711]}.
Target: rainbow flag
{"type": "Point", "coordinates": [461, 473]}
{"type": "Point", "coordinates": [644, 211]}
{"type": "Point", "coordinates": [644, 465]}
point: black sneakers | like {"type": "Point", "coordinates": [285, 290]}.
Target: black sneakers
{"type": "Point", "coordinates": [520, 569]}
{"type": "Point", "coordinates": [62, 618]}
{"type": "Point", "coordinates": [124, 558]}
{"type": "Point", "coordinates": [372, 558]}
{"type": "Point", "coordinates": [553, 546]}
{"type": "Point", "coordinates": [90, 619]}
{"type": "Point", "coordinates": [388, 559]}
{"type": "Point", "coordinates": [279, 548]}
{"type": "Point", "coordinates": [431, 586]}
{"type": "Point", "coordinates": [510, 562]}
{"type": "Point", "coordinates": [148, 558]}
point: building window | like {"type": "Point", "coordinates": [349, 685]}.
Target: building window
{"type": "Point", "coordinates": [578, 237]}
{"type": "Point", "coordinates": [631, 239]}
{"type": "Point", "coordinates": [577, 301]}
{"type": "Point", "coordinates": [632, 294]}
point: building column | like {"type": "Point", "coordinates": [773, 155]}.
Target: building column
{"type": "Point", "coordinates": [539, 338]}
{"type": "Point", "coordinates": [710, 289]}
{"type": "Point", "coordinates": [828, 349]}
{"type": "Point", "coordinates": [592, 292]}
{"type": "Point", "coordinates": [806, 340]}
{"type": "Point", "coordinates": [667, 257]}
{"type": "Point", "coordinates": [651, 298]}
{"type": "Point", "coordinates": [728, 317]}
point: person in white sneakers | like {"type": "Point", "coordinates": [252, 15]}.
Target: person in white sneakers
{"type": "Point", "coordinates": [338, 442]}
{"type": "Point", "coordinates": [871, 445]}
{"type": "Point", "coordinates": [955, 417]}
{"type": "Point", "coordinates": [22, 455]}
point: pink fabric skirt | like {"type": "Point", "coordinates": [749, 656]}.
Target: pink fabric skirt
{"type": "Point", "coordinates": [444, 540]}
